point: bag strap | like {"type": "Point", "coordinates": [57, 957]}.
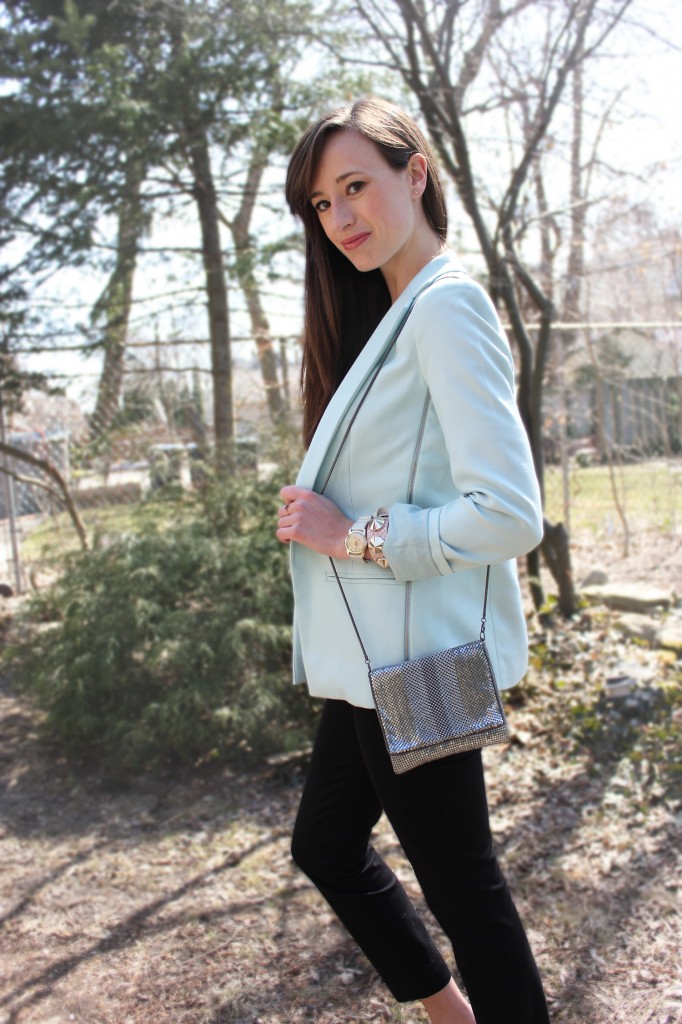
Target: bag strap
{"type": "Point", "coordinates": [402, 320]}
{"type": "Point", "coordinates": [357, 631]}
{"type": "Point", "coordinates": [389, 348]}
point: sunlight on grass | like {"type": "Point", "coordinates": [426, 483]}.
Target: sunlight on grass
{"type": "Point", "coordinates": [55, 535]}
{"type": "Point", "coordinates": [650, 493]}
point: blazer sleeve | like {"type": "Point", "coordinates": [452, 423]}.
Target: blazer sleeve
{"type": "Point", "coordinates": [496, 512]}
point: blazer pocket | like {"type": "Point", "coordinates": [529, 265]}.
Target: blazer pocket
{"type": "Point", "coordinates": [382, 578]}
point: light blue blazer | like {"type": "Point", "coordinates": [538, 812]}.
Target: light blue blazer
{"type": "Point", "coordinates": [438, 441]}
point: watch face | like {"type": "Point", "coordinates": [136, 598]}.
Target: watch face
{"type": "Point", "coordinates": [355, 543]}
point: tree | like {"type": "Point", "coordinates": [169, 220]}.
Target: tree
{"type": "Point", "coordinates": [440, 52]}
{"type": "Point", "coordinates": [139, 98]}
{"type": "Point", "coordinates": [115, 302]}
{"type": "Point", "coordinates": [245, 270]}
{"type": "Point", "coordinates": [78, 146]}
{"type": "Point", "coordinates": [250, 68]}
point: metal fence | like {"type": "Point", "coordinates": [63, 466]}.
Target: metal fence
{"type": "Point", "coordinates": [612, 455]}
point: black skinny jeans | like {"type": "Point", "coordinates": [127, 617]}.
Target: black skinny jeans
{"type": "Point", "coordinates": [439, 813]}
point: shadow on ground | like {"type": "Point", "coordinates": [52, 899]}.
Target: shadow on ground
{"type": "Point", "coordinates": [173, 899]}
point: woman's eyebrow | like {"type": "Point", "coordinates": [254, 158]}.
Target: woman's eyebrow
{"type": "Point", "coordinates": [337, 181]}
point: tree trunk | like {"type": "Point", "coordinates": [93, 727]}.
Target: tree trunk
{"type": "Point", "coordinates": [115, 301]}
{"type": "Point", "coordinates": [195, 142]}
{"type": "Point", "coordinates": [216, 291]}
{"type": "Point", "coordinates": [576, 253]}
{"type": "Point", "coordinates": [260, 327]}
{"type": "Point", "coordinates": [557, 552]}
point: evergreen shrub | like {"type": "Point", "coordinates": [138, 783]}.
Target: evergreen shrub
{"type": "Point", "coordinates": [173, 644]}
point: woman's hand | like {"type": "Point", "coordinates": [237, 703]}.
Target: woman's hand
{"type": "Point", "coordinates": [314, 521]}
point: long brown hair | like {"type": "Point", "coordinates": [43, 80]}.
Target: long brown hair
{"type": "Point", "coordinates": [342, 305]}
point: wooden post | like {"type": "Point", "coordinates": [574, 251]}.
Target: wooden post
{"type": "Point", "coordinates": [10, 502]}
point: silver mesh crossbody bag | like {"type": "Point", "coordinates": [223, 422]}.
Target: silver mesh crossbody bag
{"type": "Point", "coordinates": [440, 704]}
{"type": "Point", "coordinates": [443, 703]}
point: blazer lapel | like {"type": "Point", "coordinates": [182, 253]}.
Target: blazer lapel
{"type": "Point", "coordinates": [361, 370]}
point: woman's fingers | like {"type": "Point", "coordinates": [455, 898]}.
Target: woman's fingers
{"type": "Point", "coordinates": [290, 492]}
{"type": "Point", "coordinates": [312, 520]}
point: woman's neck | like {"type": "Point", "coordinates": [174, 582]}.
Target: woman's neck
{"type": "Point", "coordinates": [399, 271]}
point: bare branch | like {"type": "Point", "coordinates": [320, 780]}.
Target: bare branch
{"type": "Point", "coordinates": [46, 467]}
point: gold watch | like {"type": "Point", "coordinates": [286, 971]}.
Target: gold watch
{"type": "Point", "coordinates": [356, 538]}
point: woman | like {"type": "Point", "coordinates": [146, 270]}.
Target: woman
{"type": "Point", "coordinates": [438, 450]}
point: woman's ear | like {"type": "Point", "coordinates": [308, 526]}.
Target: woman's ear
{"type": "Point", "coordinates": [417, 169]}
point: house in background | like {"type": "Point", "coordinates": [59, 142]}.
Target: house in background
{"type": "Point", "coordinates": [621, 393]}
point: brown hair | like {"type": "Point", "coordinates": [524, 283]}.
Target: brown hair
{"type": "Point", "coordinates": [342, 305]}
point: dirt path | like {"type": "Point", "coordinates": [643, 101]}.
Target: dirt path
{"type": "Point", "coordinates": [169, 900]}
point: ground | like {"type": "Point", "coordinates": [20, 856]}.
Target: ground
{"type": "Point", "coordinates": [173, 900]}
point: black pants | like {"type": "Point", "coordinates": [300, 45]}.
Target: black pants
{"type": "Point", "coordinates": [439, 813]}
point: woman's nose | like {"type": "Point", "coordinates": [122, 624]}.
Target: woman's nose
{"type": "Point", "coordinates": [342, 215]}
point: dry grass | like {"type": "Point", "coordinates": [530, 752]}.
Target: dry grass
{"type": "Point", "coordinates": [649, 492]}
{"type": "Point", "coordinates": [174, 900]}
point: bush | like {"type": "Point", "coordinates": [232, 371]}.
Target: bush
{"type": "Point", "coordinates": [173, 644]}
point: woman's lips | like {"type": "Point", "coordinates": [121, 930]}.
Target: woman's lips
{"type": "Point", "coordinates": [354, 241]}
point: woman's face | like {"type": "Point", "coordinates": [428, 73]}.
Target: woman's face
{"type": "Point", "coordinates": [371, 212]}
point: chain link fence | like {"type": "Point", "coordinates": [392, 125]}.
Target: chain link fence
{"type": "Point", "coordinates": [159, 438]}
{"type": "Point", "coordinates": [612, 441]}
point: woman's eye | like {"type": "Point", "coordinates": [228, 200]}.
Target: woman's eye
{"type": "Point", "coordinates": [321, 205]}
{"type": "Point", "coordinates": [355, 187]}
